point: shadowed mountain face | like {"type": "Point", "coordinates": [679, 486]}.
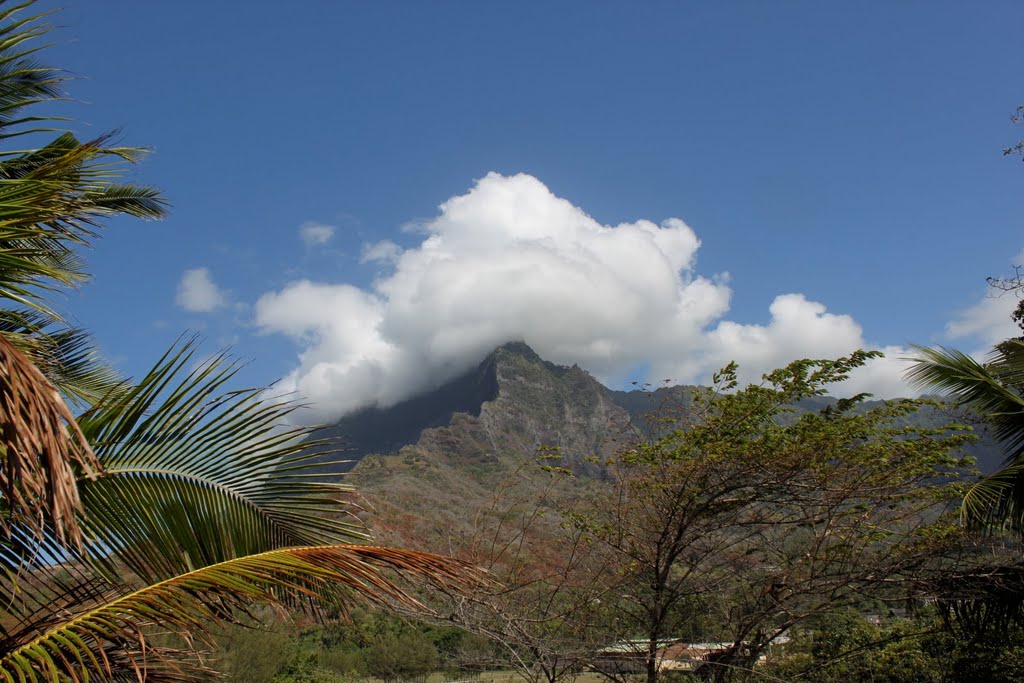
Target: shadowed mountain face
{"type": "Point", "coordinates": [514, 400]}
{"type": "Point", "coordinates": [386, 430]}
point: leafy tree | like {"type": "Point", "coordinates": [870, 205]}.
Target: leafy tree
{"type": "Point", "coordinates": [255, 655]}
{"type": "Point", "coordinates": [772, 521]}
{"type": "Point", "coordinates": [845, 648]}
{"type": "Point", "coordinates": [841, 646]}
{"type": "Point", "coordinates": [401, 656]}
{"type": "Point", "coordinates": [164, 506]}
{"type": "Point", "coordinates": [369, 644]}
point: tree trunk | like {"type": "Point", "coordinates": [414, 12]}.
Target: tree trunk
{"type": "Point", "coordinates": [652, 659]}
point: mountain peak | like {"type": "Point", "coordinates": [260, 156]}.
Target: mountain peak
{"type": "Point", "coordinates": [518, 348]}
{"type": "Point", "coordinates": [537, 407]}
{"type": "Point", "coordinates": [513, 375]}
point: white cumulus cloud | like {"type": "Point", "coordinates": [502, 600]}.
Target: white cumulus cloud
{"type": "Point", "coordinates": [508, 261]}
{"type": "Point", "coordinates": [988, 321]}
{"type": "Point", "coordinates": [198, 293]}
{"type": "Point", "coordinates": [805, 329]}
{"type": "Point", "coordinates": [315, 234]}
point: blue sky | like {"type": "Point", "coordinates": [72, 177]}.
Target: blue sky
{"type": "Point", "coordinates": [846, 152]}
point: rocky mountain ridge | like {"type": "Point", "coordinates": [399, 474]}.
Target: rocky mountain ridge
{"type": "Point", "coordinates": [423, 463]}
{"type": "Point", "coordinates": [515, 400]}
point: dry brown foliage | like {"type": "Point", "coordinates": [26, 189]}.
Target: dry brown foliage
{"type": "Point", "coordinates": [41, 448]}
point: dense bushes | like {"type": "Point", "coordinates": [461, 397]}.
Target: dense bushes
{"type": "Point", "coordinates": [848, 648]}
{"type": "Point", "coordinates": [372, 645]}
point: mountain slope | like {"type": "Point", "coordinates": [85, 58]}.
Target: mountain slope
{"type": "Point", "coordinates": [423, 464]}
{"type": "Point", "coordinates": [425, 489]}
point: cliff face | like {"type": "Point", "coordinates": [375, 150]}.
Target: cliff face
{"type": "Point", "coordinates": [541, 405]}
{"type": "Point", "coordinates": [387, 430]}
{"type": "Point", "coordinates": [513, 402]}
{"type": "Point", "coordinates": [538, 409]}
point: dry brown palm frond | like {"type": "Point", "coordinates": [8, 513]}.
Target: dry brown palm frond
{"type": "Point", "coordinates": [42, 450]}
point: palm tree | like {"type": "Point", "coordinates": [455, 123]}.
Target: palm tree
{"type": "Point", "coordinates": [164, 506]}
{"type": "Point", "coordinates": [201, 504]}
{"type": "Point", "coordinates": [995, 390]}
{"type": "Point", "coordinates": [51, 200]}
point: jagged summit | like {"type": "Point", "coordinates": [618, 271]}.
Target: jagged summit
{"type": "Point", "coordinates": [423, 489]}
{"type": "Point", "coordinates": [386, 430]}
{"type": "Point", "coordinates": [519, 348]}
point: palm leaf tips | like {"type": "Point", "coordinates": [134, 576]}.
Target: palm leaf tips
{"type": "Point", "coordinates": [217, 473]}
{"type": "Point", "coordinates": [993, 389]}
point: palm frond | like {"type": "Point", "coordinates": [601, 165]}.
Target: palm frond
{"type": "Point", "coordinates": [66, 356]}
{"type": "Point", "coordinates": [193, 474]}
{"type": "Point", "coordinates": [994, 391]}
{"type": "Point", "coordinates": [189, 603]}
{"type": "Point", "coordinates": [41, 579]}
{"type": "Point", "coordinates": [41, 447]}
{"type": "Point", "coordinates": [24, 82]}
{"type": "Point", "coordinates": [51, 200]}
{"type": "Point", "coordinates": [997, 501]}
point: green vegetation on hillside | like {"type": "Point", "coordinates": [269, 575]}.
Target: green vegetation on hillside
{"type": "Point", "coordinates": [845, 647]}
{"type": "Point", "coordinates": [369, 645]}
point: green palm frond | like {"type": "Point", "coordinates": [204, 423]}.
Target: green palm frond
{"type": "Point", "coordinates": [193, 474]}
{"type": "Point", "coordinates": [24, 82]}
{"type": "Point", "coordinates": [50, 203]}
{"type": "Point", "coordinates": [65, 355]}
{"type": "Point", "coordinates": [185, 524]}
{"type": "Point", "coordinates": [40, 579]}
{"type": "Point", "coordinates": [183, 501]}
{"type": "Point", "coordinates": [189, 603]}
{"type": "Point", "coordinates": [70, 360]}
{"type": "Point", "coordinates": [994, 391]}
{"type": "Point", "coordinates": [997, 501]}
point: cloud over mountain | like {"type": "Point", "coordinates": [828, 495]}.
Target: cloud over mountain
{"type": "Point", "coordinates": [509, 260]}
